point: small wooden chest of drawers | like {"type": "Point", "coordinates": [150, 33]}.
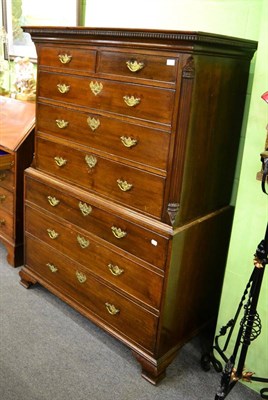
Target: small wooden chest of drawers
{"type": "Point", "coordinates": [127, 208]}
{"type": "Point", "coordinates": [16, 154]}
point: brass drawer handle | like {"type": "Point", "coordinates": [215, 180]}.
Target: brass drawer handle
{"type": "Point", "coordinates": [84, 243]}
{"type": "Point", "coordinates": [65, 58]}
{"type": "Point", "coordinates": [96, 87]}
{"type": "Point", "coordinates": [134, 65]}
{"type": "Point", "coordinates": [81, 277]}
{"type": "Point", "coordinates": [2, 176]}
{"type": "Point", "coordinates": [93, 123]}
{"type": "Point", "coordinates": [52, 234]}
{"type": "Point", "coordinates": [84, 208]}
{"type": "Point", "coordinates": [115, 270]}
{"type": "Point", "coordinates": [91, 160]}
{"type": "Point", "coordinates": [53, 201]}
{"type": "Point", "coordinates": [2, 198]}
{"type": "Point", "coordinates": [131, 101]}
{"type": "Point", "coordinates": [61, 123]}
{"type": "Point", "coordinates": [52, 267]}
{"type": "Point", "coordinates": [118, 233]}
{"type": "Point", "coordinates": [111, 309]}
{"type": "Point", "coordinates": [128, 141]}
{"type": "Point", "coordinates": [63, 88]}
{"type": "Point", "coordinates": [2, 222]}
{"type": "Point", "coordinates": [60, 161]}
{"type": "Point", "coordinates": [124, 185]}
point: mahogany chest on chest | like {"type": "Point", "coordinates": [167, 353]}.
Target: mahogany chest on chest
{"type": "Point", "coordinates": [127, 208]}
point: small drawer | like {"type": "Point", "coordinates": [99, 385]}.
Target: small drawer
{"type": "Point", "coordinates": [70, 59]}
{"type": "Point", "coordinates": [107, 305]}
{"type": "Point", "coordinates": [132, 187]}
{"type": "Point", "coordinates": [7, 179]}
{"type": "Point", "coordinates": [138, 144]}
{"type": "Point", "coordinates": [6, 223]}
{"type": "Point", "coordinates": [140, 66]}
{"type": "Point", "coordinates": [136, 101]}
{"type": "Point", "coordinates": [6, 200]}
{"type": "Point", "coordinates": [6, 161]}
{"type": "Point", "coordinates": [85, 213]}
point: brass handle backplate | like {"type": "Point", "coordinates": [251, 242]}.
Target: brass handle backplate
{"type": "Point", "coordinates": [2, 176]}
{"type": "Point", "coordinates": [52, 234]}
{"type": "Point", "coordinates": [111, 309]}
{"type": "Point", "coordinates": [84, 208]}
{"type": "Point", "coordinates": [84, 243]}
{"type": "Point", "coordinates": [61, 123]}
{"type": "Point", "coordinates": [52, 267]}
{"type": "Point", "coordinates": [2, 198]}
{"type": "Point", "coordinates": [131, 101]}
{"type": "Point", "coordinates": [124, 185]}
{"type": "Point", "coordinates": [65, 58]}
{"type": "Point", "coordinates": [63, 88]}
{"type": "Point", "coordinates": [118, 232]}
{"type": "Point", "coordinates": [128, 141]}
{"type": "Point", "coordinates": [134, 65]}
{"type": "Point", "coordinates": [60, 161]}
{"type": "Point", "coordinates": [96, 87]}
{"type": "Point", "coordinates": [91, 160]}
{"type": "Point", "coordinates": [81, 277]}
{"type": "Point", "coordinates": [115, 270]}
{"type": "Point", "coordinates": [93, 123]}
{"type": "Point", "coordinates": [2, 222]}
{"type": "Point", "coordinates": [53, 201]}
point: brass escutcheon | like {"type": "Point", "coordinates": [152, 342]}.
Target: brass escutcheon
{"type": "Point", "coordinates": [131, 101]}
{"type": "Point", "coordinates": [124, 185]}
{"type": "Point", "coordinates": [111, 309]}
{"type": "Point", "coordinates": [65, 58]}
{"type": "Point", "coordinates": [128, 141]}
{"type": "Point", "coordinates": [52, 234]}
{"type": "Point", "coordinates": [115, 270]}
{"type": "Point", "coordinates": [96, 87]}
{"type": "Point", "coordinates": [2, 176]}
{"type": "Point", "coordinates": [60, 161]}
{"type": "Point", "coordinates": [118, 233]}
{"type": "Point", "coordinates": [93, 123]}
{"type": "Point", "coordinates": [2, 222]}
{"type": "Point", "coordinates": [2, 197]}
{"type": "Point", "coordinates": [91, 160]}
{"type": "Point", "coordinates": [81, 277]}
{"type": "Point", "coordinates": [84, 208]}
{"type": "Point", "coordinates": [84, 243]}
{"type": "Point", "coordinates": [52, 267]}
{"type": "Point", "coordinates": [63, 88]}
{"type": "Point", "coordinates": [134, 65]}
{"type": "Point", "coordinates": [53, 201]}
{"type": "Point", "coordinates": [61, 123]}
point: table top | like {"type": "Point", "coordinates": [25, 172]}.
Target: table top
{"type": "Point", "coordinates": [17, 119]}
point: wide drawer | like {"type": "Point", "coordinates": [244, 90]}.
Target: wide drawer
{"type": "Point", "coordinates": [7, 179]}
{"type": "Point", "coordinates": [144, 102]}
{"type": "Point", "coordinates": [112, 309]}
{"type": "Point", "coordinates": [69, 59]}
{"type": "Point", "coordinates": [6, 223]}
{"type": "Point", "coordinates": [129, 186]}
{"type": "Point", "coordinates": [142, 243]}
{"type": "Point", "coordinates": [127, 141]}
{"type": "Point", "coordinates": [6, 200]}
{"type": "Point", "coordinates": [138, 65]}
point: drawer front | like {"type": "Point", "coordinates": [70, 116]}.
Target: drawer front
{"type": "Point", "coordinates": [144, 102]}
{"type": "Point", "coordinates": [127, 141]}
{"type": "Point", "coordinates": [7, 179]}
{"type": "Point", "coordinates": [129, 186]}
{"type": "Point", "coordinates": [109, 307]}
{"type": "Point", "coordinates": [67, 59]}
{"type": "Point", "coordinates": [6, 200]}
{"type": "Point", "coordinates": [140, 66]}
{"type": "Point", "coordinates": [6, 160]}
{"type": "Point", "coordinates": [136, 240]}
{"type": "Point", "coordinates": [6, 223]}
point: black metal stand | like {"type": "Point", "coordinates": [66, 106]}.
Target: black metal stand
{"type": "Point", "coordinates": [250, 325]}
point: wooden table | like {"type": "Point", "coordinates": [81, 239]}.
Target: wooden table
{"type": "Point", "coordinates": [17, 121]}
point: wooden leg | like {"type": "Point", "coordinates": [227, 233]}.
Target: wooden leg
{"type": "Point", "coordinates": [26, 279]}
{"type": "Point", "coordinates": [153, 371]}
